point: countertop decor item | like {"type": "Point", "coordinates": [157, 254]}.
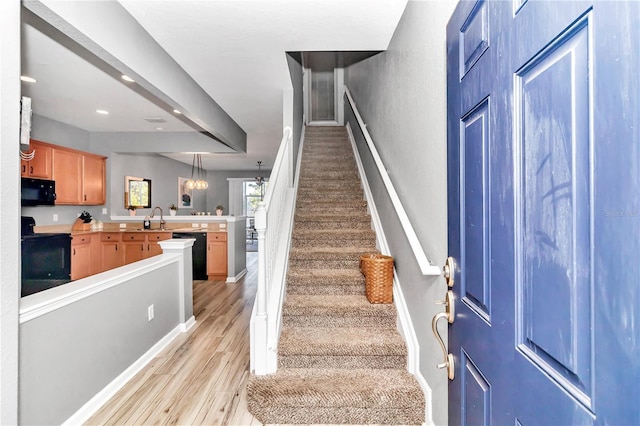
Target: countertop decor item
{"type": "Point", "coordinates": [219, 209]}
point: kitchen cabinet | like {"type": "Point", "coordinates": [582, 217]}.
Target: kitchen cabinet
{"type": "Point", "coordinates": [80, 177]}
{"type": "Point", "coordinates": [111, 253]}
{"type": "Point", "coordinates": [142, 245]}
{"type": "Point", "coordinates": [133, 244]}
{"type": "Point", "coordinates": [84, 261]}
{"type": "Point", "coordinates": [67, 172]}
{"type": "Point", "coordinates": [153, 248]}
{"type": "Point", "coordinates": [40, 165]}
{"type": "Point", "coordinates": [93, 179]}
{"type": "Point", "coordinates": [217, 255]}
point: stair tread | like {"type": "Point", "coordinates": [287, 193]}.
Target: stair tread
{"type": "Point", "coordinates": [353, 341]}
{"type": "Point", "coordinates": [365, 388]}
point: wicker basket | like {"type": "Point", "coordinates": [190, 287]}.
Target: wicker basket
{"type": "Point", "coordinates": [378, 273]}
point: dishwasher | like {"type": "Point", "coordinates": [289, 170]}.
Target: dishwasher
{"type": "Point", "coordinates": [199, 253]}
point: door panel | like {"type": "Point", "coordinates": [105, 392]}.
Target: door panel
{"type": "Point", "coordinates": [554, 284]}
{"type": "Point", "coordinates": [544, 213]}
{"type": "Point", "coordinates": [475, 254]}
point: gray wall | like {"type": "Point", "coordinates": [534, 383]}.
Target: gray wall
{"type": "Point", "coordinates": [162, 171]}
{"type": "Point", "coordinates": [294, 61]}
{"type": "Point", "coordinates": [401, 95]}
{"type": "Point", "coordinates": [69, 355]}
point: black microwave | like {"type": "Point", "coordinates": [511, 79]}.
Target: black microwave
{"type": "Point", "coordinates": [38, 192]}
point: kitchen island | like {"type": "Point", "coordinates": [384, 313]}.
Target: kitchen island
{"type": "Point", "coordinates": [233, 226]}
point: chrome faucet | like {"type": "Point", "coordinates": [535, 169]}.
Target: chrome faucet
{"type": "Point", "coordinates": [161, 217]}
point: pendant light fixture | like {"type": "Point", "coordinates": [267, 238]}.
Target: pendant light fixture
{"type": "Point", "coordinates": [199, 182]}
{"type": "Point", "coordinates": [260, 181]}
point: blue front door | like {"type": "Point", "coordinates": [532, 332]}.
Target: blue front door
{"type": "Point", "coordinates": [544, 212]}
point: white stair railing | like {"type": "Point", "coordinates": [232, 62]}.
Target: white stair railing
{"type": "Point", "coordinates": [425, 264]}
{"type": "Point", "coordinates": [273, 223]}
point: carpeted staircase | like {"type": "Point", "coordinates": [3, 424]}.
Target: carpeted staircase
{"type": "Point", "coordinates": [341, 359]}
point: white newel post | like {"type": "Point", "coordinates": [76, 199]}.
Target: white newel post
{"type": "Point", "coordinates": [260, 326]}
{"type": "Point", "coordinates": [184, 248]}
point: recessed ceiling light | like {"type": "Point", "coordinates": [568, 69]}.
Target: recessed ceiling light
{"type": "Point", "coordinates": [27, 79]}
{"type": "Point", "coordinates": [159, 128]}
{"type": "Point", "coordinates": [175, 111]}
{"type": "Point", "coordinates": [103, 112]}
{"type": "Point", "coordinates": [127, 78]}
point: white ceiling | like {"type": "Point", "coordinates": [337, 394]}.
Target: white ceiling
{"type": "Point", "coordinates": [234, 49]}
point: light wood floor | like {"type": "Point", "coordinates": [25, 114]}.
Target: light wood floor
{"type": "Point", "coordinates": [200, 378]}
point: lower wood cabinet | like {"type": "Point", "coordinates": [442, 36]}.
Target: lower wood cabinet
{"type": "Point", "coordinates": [153, 248]}
{"type": "Point", "coordinates": [142, 245]}
{"type": "Point", "coordinates": [96, 252]}
{"type": "Point", "coordinates": [217, 255]}
{"type": "Point", "coordinates": [84, 259]}
{"type": "Point", "coordinates": [111, 253]}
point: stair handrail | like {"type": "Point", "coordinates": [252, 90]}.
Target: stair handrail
{"type": "Point", "coordinates": [273, 220]}
{"type": "Point", "coordinates": [426, 267]}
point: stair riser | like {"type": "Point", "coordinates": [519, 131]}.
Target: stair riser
{"type": "Point", "coordinates": [322, 243]}
{"type": "Point", "coordinates": [326, 290]}
{"type": "Point", "coordinates": [337, 415]}
{"type": "Point", "coordinates": [345, 361]}
{"type": "Point", "coordinates": [331, 186]}
{"type": "Point", "coordinates": [321, 263]}
{"type": "Point", "coordinates": [329, 235]}
{"type": "Point", "coordinates": [330, 216]}
{"type": "Point", "coordinates": [322, 174]}
{"type": "Point", "coordinates": [322, 281]}
{"type": "Point", "coordinates": [337, 196]}
{"type": "Point", "coordinates": [332, 224]}
{"type": "Point", "coordinates": [347, 211]}
{"type": "Point", "coordinates": [312, 185]}
{"type": "Point", "coordinates": [337, 321]}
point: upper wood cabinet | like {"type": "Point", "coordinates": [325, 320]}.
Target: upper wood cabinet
{"type": "Point", "coordinates": [67, 172]}
{"type": "Point", "coordinates": [93, 179]}
{"type": "Point", "coordinates": [80, 177]}
{"type": "Point", "coordinates": [40, 165]}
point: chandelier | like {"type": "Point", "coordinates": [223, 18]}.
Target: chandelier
{"type": "Point", "coordinates": [199, 182]}
{"type": "Point", "coordinates": [260, 181]}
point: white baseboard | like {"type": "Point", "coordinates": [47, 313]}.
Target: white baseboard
{"type": "Point", "coordinates": [237, 277]}
{"type": "Point", "coordinates": [99, 399]}
{"type": "Point", "coordinates": [186, 326]}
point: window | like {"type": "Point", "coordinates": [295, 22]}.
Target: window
{"type": "Point", "coordinates": [252, 196]}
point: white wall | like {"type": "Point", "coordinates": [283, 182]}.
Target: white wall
{"type": "Point", "coordinates": [9, 208]}
{"type": "Point", "coordinates": [401, 95]}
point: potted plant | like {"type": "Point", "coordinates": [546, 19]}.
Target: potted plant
{"type": "Point", "coordinates": [132, 210]}
{"type": "Point", "coordinates": [219, 209]}
{"type": "Point", "coordinates": [173, 209]}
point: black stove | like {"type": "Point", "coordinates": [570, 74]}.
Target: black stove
{"type": "Point", "coordinates": [46, 258]}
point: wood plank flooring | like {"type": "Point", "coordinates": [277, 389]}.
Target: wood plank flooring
{"type": "Point", "coordinates": [200, 378]}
